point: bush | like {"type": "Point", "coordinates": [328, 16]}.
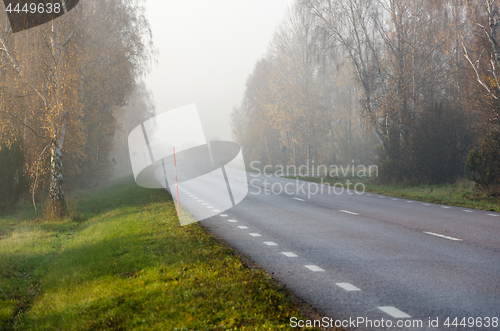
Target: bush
{"type": "Point", "coordinates": [435, 152]}
{"type": "Point", "coordinates": [484, 163]}
{"type": "Point", "coordinates": [13, 180]}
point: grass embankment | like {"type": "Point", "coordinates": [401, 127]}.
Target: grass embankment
{"type": "Point", "coordinates": [463, 193]}
{"type": "Point", "coordinates": [123, 262]}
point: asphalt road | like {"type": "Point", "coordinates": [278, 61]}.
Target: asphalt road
{"type": "Point", "coordinates": [366, 256]}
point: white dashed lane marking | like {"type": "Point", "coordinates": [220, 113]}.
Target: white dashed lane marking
{"type": "Point", "coordinates": [289, 254]}
{"type": "Point", "coordinates": [443, 236]}
{"type": "Point", "coordinates": [299, 199]}
{"type": "Point", "coordinates": [232, 221]}
{"type": "Point", "coordinates": [426, 204]}
{"type": "Point", "coordinates": [409, 201]}
{"type": "Point", "coordinates": [395, 199]}
{"type": "Point", "coordinates": [255, 235]}
{"type": "Point", "coordinates": [223, 215]}
{"type": "Point", "coordinates": [217, 210]}
{"type": "Point", "coordinates": [494, 215]}
{"type": "Point", "coordinates": [314, 268]}
{"type": "Point", "coordinates": [348, 212]}
{"type": "Point", "coordinates": [243, 227]}
{"type": "Point", "coordinates": [270, 243]}
{"type": "Point", "coordinates": [445, 207]}
{"type": "Point", "coordinates": [468, 211]}
{"type": "Point", "coordinates": [348, 287]}
{"type": "Point", "coordinates": [394, 312]}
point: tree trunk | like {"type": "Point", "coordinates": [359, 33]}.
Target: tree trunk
{"type": "Point", "coordinates": [56, 175]}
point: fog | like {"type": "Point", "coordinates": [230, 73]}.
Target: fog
{"type": "Point", "coordinates": [207, 49]}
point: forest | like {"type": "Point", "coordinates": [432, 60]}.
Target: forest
{"type": "Point", "coordinates": [409, 85]}
{"type": "Point", "coordinates": [70, 91]}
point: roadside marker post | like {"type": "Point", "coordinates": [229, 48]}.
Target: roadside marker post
{"type": "Point", "coordinates": [176, 187]}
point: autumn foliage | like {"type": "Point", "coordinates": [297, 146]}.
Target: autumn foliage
{"type": "Point", "coordinates": [62, 86]}
{"type": "Point", "coordinates": [408, 84]}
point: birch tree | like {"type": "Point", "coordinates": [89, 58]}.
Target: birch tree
{"type": "Point", "coordinates": [482, 51]}
{"type": "Point", "coordinates": [66, 78]}
{"type": "Point", "coordinates": [484, 58]}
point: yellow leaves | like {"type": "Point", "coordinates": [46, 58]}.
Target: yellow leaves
{"type": "Point", "coordinates": [492, 82]}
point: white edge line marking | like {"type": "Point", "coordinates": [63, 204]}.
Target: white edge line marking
{"type": "Point", "coordinates": [348, 287]}
{"type": "Point", "coordinates": [270, 243]}
{"type": "Point", "coordinates": [255, 235]}
{"type": "Point", "coordinates": [314, 267]}
{"type": "Point", "coordinates": [243, 227]}
{"type": "Point", "coordinates": [289, 254]}
{"type": "Point", "coordinates": [394, 312]}
{"type": "Point", "coordinates": [442, 236]}
{"type": "Point", "coordinates": [299, 199]}
{"type": "Point", "coordinates": [348, 212]}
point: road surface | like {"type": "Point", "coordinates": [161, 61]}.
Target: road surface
{"type": "Point", "coordinates": [367, 257]}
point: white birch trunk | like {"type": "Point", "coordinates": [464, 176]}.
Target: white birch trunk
{"type": "Point", "coordinates": [56, 192]}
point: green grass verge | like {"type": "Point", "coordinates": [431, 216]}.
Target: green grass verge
{"type": "Point", "coordinates": [123, 262]}
{"type": "Point", "coordinates": [462, 193]}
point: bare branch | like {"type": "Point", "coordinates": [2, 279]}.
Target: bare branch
{"type": "Point", "coordinates": [11, 116]}
{"type": "Point", "coordinates": [19, 71]}
{"type": "Point", "coordinates": [476, 70]}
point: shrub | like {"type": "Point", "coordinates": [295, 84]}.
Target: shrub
{"type": "Point", "coordinates": [484, 163]}
{"type": "Point", "coordinates": [434, 152]}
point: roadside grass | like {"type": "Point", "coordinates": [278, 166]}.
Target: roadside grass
{"type": "Point", "coordinates": [462, 193]}
{"type": "Point", "coordinates": [123, 262]}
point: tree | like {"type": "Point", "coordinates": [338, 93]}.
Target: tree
{"type": "Point", "coordinates": [298, 99]}
{"type": "Point", "coordinates": [404, 54]}
{"type": "Point", "coordinates": [64, 81]}
{"type": "Point", "coordinates": [139, 107]}
{"type": "Point", "coordinates": [483, 54]}
{"type": "Point", "coordinates": [13, 180]}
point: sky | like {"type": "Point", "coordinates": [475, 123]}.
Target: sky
{"type": "Point", "coordinates": [207, 50]}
